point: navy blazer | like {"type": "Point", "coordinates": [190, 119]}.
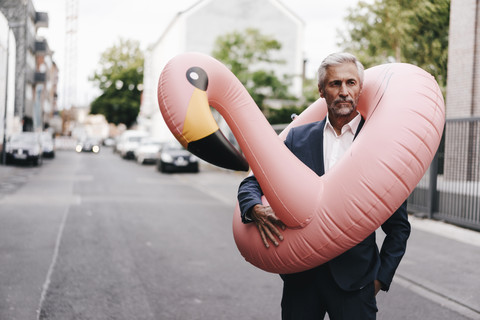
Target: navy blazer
{"type": "Point", "coordinates": [361, 264]}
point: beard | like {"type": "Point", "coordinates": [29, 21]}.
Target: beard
{"type": "Point", "coordinates": [342, 107]}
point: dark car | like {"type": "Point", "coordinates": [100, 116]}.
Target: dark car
{"type": "Point", "coordinates": [173, 157]}
{"type": "Point", "coordinates": [24, 147]}
{"type": "Point", "coordinates": [88, 145]}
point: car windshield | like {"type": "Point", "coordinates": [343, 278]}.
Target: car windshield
{"type": "Point", "coordinates": [150, 142]}
{"type": "Point", "coordinates": [90, 141]}
{"type": "Point", "coordinates": [46, 137]}
{"type": "Point", "coordinates": [24, 137]}
{"type": "Point", "coordinates": [174, 146]}
{"type": "Point", "coordinates": [134, 139]}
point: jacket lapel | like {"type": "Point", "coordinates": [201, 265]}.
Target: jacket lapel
{"type": "Point", "coordinates": [360, 125]}
{"type": "Point", "coordinates": [319, 164]}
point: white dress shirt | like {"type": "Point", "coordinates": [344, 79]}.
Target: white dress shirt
{"type": "Point", "coordinates": [334, 146]}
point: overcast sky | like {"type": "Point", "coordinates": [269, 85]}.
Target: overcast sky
{"type": "Point", "coordinates": [102, 22]}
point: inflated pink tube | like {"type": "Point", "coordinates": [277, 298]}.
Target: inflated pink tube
{"type": "Point", "coordinates": [404, 117]}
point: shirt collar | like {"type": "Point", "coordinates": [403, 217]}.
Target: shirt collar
{"type": "Point", "coordinates": [351, 126]}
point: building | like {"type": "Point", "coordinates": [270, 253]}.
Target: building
{"type": "Point", "coordinates": [462, 154]}
{"type": "Point", "coordinates": [197, 28]}
{"type": "Point", "coordinates": [34, 68]}
{"type": "Point", "coordinates": [7, 78]}
{"type": "Point", "coordinates": [45, 85]}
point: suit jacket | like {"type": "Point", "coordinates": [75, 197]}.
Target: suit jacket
{"type": "Point", "coordinates": [361, 264]}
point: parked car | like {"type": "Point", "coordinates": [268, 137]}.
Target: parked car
{"type": "Point", "coordinates": [88, 145]}
{"type": "Point", "coordinates": [48, 145]}
{"type": "Point", "coordinates": [173, 157]}
{"type": "Point", "coordinates": [109, 142]}
{"type": "Point", "coordinates": [24, 147]}
{"type": "Point", "coordinates": [128, 142]}
{"type": "Point", "coordinates": [147, 151]}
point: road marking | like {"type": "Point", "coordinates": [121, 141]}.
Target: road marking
{"type": "Point", "coordinates": [42, 199]}
{"type": "Point", "coordinates": [46, 284]}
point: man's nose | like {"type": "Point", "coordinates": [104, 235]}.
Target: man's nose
{"type": "Point", "coordinates": [343, 90]}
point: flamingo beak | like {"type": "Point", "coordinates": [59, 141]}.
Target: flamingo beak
{"type": "Point", "coordinates": [201, 134]}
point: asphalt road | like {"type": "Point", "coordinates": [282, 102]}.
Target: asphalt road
{"type": "Point", "coordinates": [90, 236]}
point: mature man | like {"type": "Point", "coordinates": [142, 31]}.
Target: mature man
{"type": "Point", "coordinates": [346, 286]}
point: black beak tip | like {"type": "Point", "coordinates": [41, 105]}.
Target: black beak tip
{"type": "Point", "coordinates": [217, 150]}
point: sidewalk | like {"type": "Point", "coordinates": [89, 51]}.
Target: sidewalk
{"type": "Point", "coordinates": [439, 277]}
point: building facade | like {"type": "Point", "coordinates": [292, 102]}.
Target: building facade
{"type": "Point", "coordinates": [462, 154]}
{"type": "Point", "coordinates": [7, 79]}
{"type": "Point", "coordinates": [33, 63]}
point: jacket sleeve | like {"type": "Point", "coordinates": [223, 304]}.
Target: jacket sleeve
{"type": "Point", "coordinates": [397, 231]}
{"type": "Point", "coordinates": [249, 194]}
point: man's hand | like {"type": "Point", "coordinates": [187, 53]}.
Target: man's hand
{"type": "Point", "coordinates": [267, 224]}
{"type": "Point", "coordinates": [378, 286]}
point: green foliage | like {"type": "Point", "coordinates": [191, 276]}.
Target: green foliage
{"type": "Point", "coordinates": [283, 115]}
{"type": "Point", "coordinates": [250, 56]}
{"type": "Point", "coordinates": [310, 91]}
{"type": "Point", "coordinates": [120, 78]}
{"type": "Point", "coordinates": [413, 31]}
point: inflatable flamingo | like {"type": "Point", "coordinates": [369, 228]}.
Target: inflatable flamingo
{"type": "Point", "coordinates": [404, 118]}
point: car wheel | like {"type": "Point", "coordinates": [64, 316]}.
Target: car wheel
{"type": "Point", "coordinates": [163, 168]}
{"type": "Point", "coordinates": [37, 161]}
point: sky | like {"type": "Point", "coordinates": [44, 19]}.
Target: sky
{"type": "Point", "coordinates": [102, 22]}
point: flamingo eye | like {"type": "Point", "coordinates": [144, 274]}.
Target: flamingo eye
{"type": "Point", "coordinates": [198, 78]}
{"type": "Point", "coordinates": [194, 76]}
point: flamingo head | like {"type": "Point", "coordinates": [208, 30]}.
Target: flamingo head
{"type": "Point", "coordinates": [197, 129]}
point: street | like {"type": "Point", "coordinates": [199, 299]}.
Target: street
{"type": "Point", "coordinates": [93, 236]}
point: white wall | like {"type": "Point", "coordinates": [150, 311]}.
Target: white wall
{"type": "Point", "coordinates": [206, 23]}
{"type": "Point", "coordinates": [7, 85]}
{"type": "Point", "coordinates": [198, 28]}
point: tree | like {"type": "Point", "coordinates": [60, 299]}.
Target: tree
{"type": "Point", "coordinates": [120, 79]}
{"type": "Point", "coordinates": [249, 55]}
{"type": "Point", "coordinates": [413, 31]}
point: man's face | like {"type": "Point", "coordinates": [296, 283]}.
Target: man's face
{"type": "Point", "coordinates": [342, 89]}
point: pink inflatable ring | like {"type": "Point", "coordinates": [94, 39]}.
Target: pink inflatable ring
{"type": "Point", "coordinates": [404, 117]}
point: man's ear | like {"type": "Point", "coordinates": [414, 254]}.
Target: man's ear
{"type": "Point", "coordinates": [320, 90]}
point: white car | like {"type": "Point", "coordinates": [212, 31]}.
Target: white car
{"type": "Point", "coordinates": [48, 145]}
{"type": "Point", "coordinates": [147, 151]}
{"type": "Point", "coordinates": [129, 141]}
{"type": "Point", "coordinates": [24, 147]}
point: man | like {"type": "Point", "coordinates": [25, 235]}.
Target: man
{"type": "Point", "coordinates": [346, 286]}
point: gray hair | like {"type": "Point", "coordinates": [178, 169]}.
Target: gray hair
{"type": "Point", "coordinates": [335, 59]}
